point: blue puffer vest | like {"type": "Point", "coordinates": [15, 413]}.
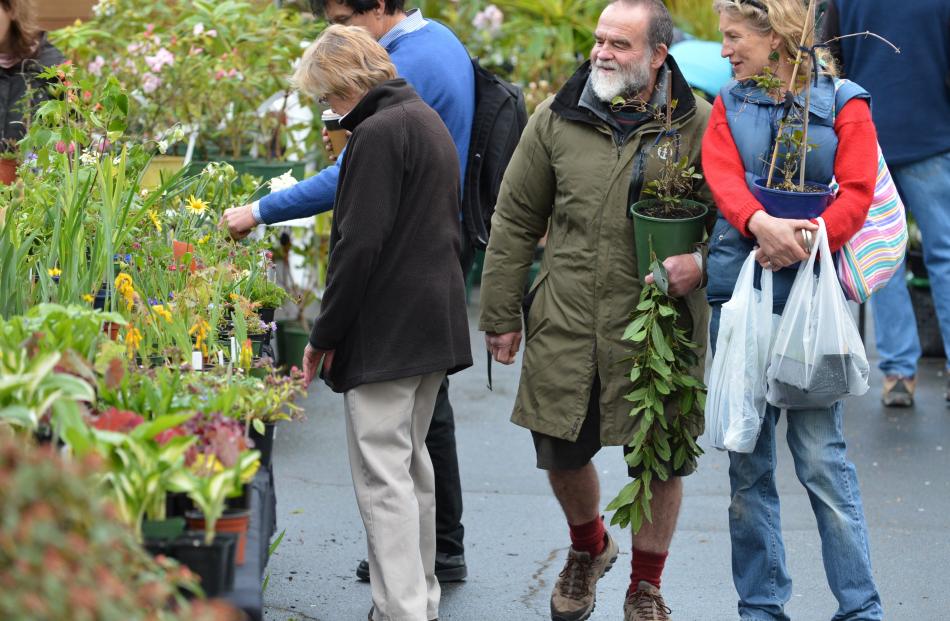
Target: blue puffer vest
{"type": "Point", "coordinates": [753, 120]}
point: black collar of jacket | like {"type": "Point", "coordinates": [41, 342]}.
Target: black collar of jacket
{"type": "Point", "coordinates": [383, 95]}
{"type": "Point", "coordinates": [566, 101]}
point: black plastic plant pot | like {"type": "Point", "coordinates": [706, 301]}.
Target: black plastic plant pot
{"type": "Point", "coordinates": [827, 383]}
{"type": "Point", "coordinates": [266, 314]}
{"type": "Point", "coordinates": [264, 443]}
{"type": "Point", "coordinates": [666, 237]}
{"type": "Point", "coordinates": [177, 504]}
{"type": "Point", "coordinates": [792, 205]}
{"type": "Point", "coordinates": [214, 563]}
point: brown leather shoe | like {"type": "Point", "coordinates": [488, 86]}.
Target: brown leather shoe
{"type": "Point", "coordinates": [645, 604]}
{"type": "Point", "coordinates": [575, 592]}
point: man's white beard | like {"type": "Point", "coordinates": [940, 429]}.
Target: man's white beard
{"type": "Point", "coordinates": [622, 81]}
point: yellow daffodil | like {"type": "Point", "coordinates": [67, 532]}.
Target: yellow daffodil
{"type": "Point", "coordinates": [153, 216]}
{"type": "Point", "coordinates": [196, 205]}
{"type": "Point", "coordinates": [54, 272]}
{"type": "Point", "coordinates": [88, 298]}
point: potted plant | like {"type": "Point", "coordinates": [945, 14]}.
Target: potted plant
{"type": "Point", "coordinates": [672, 221]}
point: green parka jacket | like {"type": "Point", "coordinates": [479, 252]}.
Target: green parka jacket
{"type": "Point", "coordinates": [569, 177]}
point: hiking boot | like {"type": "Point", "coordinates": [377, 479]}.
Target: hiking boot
{"type": "Point", "coordinates": [574, 592]}
{"type": "Point", "coordinates": [645, 604]}
{"type": "Point", "coordinates": [898, 391]}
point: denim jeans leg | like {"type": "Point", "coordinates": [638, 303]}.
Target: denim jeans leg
{"type": "Point", "coordinates": [816, 440]}
{"type": "Point", "coordinates": [758, 552]}
{"type": "Point", "coordinates": [925, 186]}
{"type": "Point", "coordinates": [895, 332]}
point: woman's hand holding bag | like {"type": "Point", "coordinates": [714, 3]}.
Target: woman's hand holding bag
{"type": "Point", "coordinates": [818, 357]}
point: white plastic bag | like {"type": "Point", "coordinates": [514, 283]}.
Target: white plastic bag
{"type": "Point", "coordinates": [818, 356]}
{"type": "Point", "coordinates": [735, 404]}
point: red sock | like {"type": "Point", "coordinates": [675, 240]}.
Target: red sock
{"type": "Point", "coordinates": [589, 537]}
{"type": "Point", "coordinates": [648, 567]}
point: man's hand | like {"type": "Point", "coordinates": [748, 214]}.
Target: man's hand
{"type": "Point", "coordinates": [685, 275]}
{"type": "Point", "coordinates": [778, 239]}
{"type": "Point", "coordinates": [503, 347]}
{"type": "Point", "coordinates": [311, 362]}
{"type": "Point", "coordinates": [239, 220]}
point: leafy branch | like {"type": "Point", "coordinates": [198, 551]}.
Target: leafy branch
{"type": "Point", "coordinates": [667, 400]}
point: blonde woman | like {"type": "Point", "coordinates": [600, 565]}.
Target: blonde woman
{"type": "Point", "coordinates": [760, 36]}
{"type": "Point", "coordinates": [392, 321]}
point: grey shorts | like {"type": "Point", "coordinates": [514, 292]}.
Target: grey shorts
{"type": "Point", "coordinates": [559, 454]}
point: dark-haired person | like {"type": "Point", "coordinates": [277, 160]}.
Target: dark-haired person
{"type": "Point", "coordinates": [571, 176]}
{"type": "Point", "coordinates": [431, 58]}
{"type": "Point", "coordinates": [24, 53]}
{"type": "Point", "coordinates": [395, 236]}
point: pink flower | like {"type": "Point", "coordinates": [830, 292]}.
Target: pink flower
{"type": "Point", "coordinates": [95, 66]}
{"type": "Point", "coordinates": [194, 51]}
{"type": "Point", "coordinates": [212, 33]}
{"type": "Point", "coordinates": [198, 29]}
{"type": "Point", "coordinates": [219, 74]}
{"type": "Point", "coordinates": [149, 28]}
{"type": "Point", "coordinates": [150, 82]}
{"type": "Point", "coordinates": [161, 58]}
{"type": "Point", "coordinates": [489, 19]}
{"type": "Point", "coordinates": [60, 147]}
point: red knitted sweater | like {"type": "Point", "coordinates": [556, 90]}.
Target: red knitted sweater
{"type": "Point", "coordinates": [855, 171]}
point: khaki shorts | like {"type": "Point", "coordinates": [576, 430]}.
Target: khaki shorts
{"type": "Point", "coordinates": [559, 454]}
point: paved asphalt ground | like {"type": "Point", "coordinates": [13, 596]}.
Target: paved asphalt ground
{"type": "Point", "coordinates": [516, 538]}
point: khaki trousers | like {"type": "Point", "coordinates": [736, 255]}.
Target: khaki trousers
{"type": "Point", "coordinates": [386, 426]}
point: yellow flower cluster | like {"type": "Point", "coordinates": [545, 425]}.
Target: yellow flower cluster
{"type": "Point", "coordinates": [123, 286]}
{"type": "Point", "coordinates": [247, 354]}
{"type": "Point", "coordinates": [88, 298]}
{"type": "Point", "coordinates": [133, 338]}
{"type": "Point", "coordinates": [162, 311]}
{"type": "Point", "coordinates": [200, 331]}
{"type": "Point", "coordinates": [54, 272]}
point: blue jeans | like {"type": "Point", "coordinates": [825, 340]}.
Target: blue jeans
{"type": "Point", "coordinates": [761, 578]}
{"type": "Point", "coordinates": [924, 187]}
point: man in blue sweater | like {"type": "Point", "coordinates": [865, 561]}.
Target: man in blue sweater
{"type": "Point", "coordinates": [910, 92]}
{"type": "Point", "coordinates": [432, 59]}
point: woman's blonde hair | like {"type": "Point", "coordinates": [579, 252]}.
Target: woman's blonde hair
{"type": "Point", "coordinates": [786, 18]}
{"type": "Point", "coordinates": [344, 61]}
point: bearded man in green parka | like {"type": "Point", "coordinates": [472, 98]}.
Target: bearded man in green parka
{"type": "Point", "coordinates": [571, 177]}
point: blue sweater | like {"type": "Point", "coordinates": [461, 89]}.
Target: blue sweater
{"type": "Point", "coordinates": [436, 64]}
{"type": "Point", "coordinates": [910, 91]}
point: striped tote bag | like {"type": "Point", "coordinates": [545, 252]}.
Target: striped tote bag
{"type": "Point", "coordinates": [871, 257]}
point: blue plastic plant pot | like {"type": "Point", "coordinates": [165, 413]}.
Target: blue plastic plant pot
{"type": "Point", "coordinates": [792, 205]}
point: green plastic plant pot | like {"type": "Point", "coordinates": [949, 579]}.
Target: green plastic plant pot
{"type": "Point", "coordinates": [292, 339]}
{"type": "Point", "coordinates": [668, 237]}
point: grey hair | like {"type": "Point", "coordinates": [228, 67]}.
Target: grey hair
{"type": "Point", "coordinates": [660, 31]}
